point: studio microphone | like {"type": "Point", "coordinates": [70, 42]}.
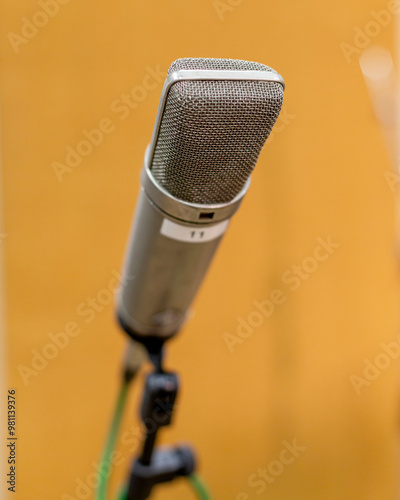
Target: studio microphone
{"type": "Point", "coordinates": [213, 119]}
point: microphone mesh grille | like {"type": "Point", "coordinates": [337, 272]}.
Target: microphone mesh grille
{"type": "Point", "coordinates": [212, 132]}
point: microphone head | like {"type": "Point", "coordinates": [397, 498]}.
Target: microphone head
{"type": "Point", "coordinates": [213, 121]}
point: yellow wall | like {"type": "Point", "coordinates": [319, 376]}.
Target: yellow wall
{"type": "Point", "coordinates": [322, 175]}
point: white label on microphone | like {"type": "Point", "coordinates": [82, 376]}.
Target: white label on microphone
{"type": "Point", "coordinates": [193, 234]}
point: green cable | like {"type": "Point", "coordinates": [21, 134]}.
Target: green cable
{"type": "Point", "coordinates": [199, 487]}
{"type": "Point", "coordinates": [101, 493]}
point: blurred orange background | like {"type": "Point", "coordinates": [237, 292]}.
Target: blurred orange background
{"type": "Point", "coordinates": [322, 175]}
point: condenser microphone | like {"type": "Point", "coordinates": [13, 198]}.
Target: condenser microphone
{"type": "Point", "coordinates": [213, 119]}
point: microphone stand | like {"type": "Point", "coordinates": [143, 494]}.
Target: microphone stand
{"type": "Point", "coordinates": [156, 465]}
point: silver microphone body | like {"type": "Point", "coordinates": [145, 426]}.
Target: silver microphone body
{"type": "Point", "coordinates": [179, 221]}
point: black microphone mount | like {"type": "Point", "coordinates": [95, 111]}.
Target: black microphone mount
{"type": "Point", "coordinates": [161, 464]}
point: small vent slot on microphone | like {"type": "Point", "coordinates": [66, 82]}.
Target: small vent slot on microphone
{"type": "Point", "coordinates": [206, 215]}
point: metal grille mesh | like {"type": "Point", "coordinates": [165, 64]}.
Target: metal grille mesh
{"type": "Point", "coordinates": [212, 132]}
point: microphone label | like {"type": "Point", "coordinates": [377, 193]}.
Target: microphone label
{"type": "Point", "coordinates": [193, 234]}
